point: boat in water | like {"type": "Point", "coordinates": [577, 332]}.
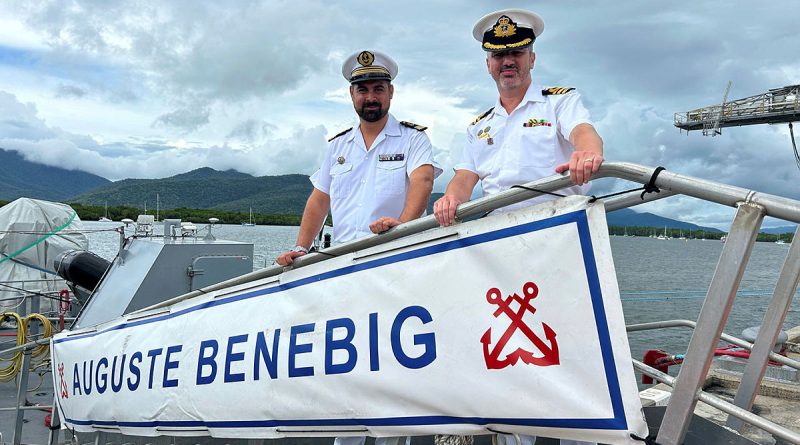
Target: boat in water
{"type": "Point", "coordinates": [362, 338]}
{"type": "Point", "coordinates": [105, 217]}
{"type": "Point", "coordinates": [250, 222]}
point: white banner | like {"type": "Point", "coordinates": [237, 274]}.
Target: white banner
{"type": "Point", "coordinates": [511, 323]}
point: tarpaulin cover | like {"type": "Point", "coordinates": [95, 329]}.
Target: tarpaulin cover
{"type": "Point", "coordinates": [32, 235]}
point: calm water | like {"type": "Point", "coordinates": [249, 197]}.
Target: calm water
{"type": "Point", "coordinates": [658, 279]}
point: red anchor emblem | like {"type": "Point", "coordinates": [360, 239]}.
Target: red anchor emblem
{"type": "Point", "coordinates": [492, 357]}
{"type": "Point", "coordinates": [64, 390]}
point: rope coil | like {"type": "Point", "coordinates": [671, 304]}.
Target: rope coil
{"type": "Point", "coordinates": [39, 353]}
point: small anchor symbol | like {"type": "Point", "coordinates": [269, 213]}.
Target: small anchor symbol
{"type": "Point", "coordinates": [492, 357]}
{"type": "Point", "coordinates": [64, 390]}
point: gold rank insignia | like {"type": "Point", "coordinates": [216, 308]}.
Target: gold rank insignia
{"type": "Point", "coordinates": [365, 58]}
{"type": "Point", "coordinates": [556, 90]}
{"type": "Point", "coordinates": [478, 119]}
{"type": "Point", "coordinates": [413, 125]}
{"type": "Point", "coordinates": [504, 27]}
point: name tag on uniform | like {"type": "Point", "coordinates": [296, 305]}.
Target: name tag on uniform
{"type": "Point", "coordinates": [394, 157]}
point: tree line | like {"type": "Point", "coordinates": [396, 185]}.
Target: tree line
{"type": "Point", "coordinates": [118, 213]}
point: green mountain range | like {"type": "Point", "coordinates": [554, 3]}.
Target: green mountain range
{"type": "Point", "coordinates": [21, 178]}
{"type": "Point", "coordinates": [206, 188]}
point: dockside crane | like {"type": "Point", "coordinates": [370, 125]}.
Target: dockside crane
{"type": "Point", "coordinates": [776, 106]}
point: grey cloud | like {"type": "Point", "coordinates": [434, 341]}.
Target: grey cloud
{"type": "Point", "coordinates": [23, 131]}
{"type": "Point", "coordinates": [188, 119]}
{"type": "Point", "coordinates": [20, 121]}
{"type": "Point", "coordinates": [70, 91]}
{"type": "Point", "coordinates": [300, 153]}
{"type": "Point", "coordinates": [635, 64]}
{"type": "Point", "coordinates": [680, 58]}
{"type": "Point", "coordinates": [207, 49]}
{"type": "Point", "coordinates": [252, 131]}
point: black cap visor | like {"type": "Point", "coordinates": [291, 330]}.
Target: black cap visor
{"type": "Point", "coordinates": [522, 38]}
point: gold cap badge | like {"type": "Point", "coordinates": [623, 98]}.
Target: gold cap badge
{"type": "Point", "coordinates": [365, 58]}
{"type": "Point", "coordinates": [504, 27]}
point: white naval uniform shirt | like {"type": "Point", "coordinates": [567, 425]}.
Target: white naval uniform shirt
{"type": "Point", "coordinates": [366, 185]}
{"type": "Point", "coordinates": [518, 153]}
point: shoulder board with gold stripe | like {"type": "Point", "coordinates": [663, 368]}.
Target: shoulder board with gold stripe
{"type": "Point", "coordinates": [556, 90]}
{"type": "Point", "coordinates": [486, 113]}
{"type": "Point", "coordinates": [344, 132]}
{"type": "Point", "coordinates": [413, 125]}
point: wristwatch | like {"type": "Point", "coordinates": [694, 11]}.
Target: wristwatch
{"type": "Point", "coordinates": [299, 248]}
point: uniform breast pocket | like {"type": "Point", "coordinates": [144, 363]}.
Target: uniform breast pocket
{"type": "Point", "coordinates": [390, 178]}
{"type": "Point", "coordinates": [537, 147]}
{"type": "Point", "coordinates": [341, 182]}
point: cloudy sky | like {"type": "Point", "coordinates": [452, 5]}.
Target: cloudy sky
{"type": "Point", "coordinates": [149, 89]}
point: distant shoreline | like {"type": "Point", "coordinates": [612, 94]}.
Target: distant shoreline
{"type": "Point", "coordinates": [117, 213]}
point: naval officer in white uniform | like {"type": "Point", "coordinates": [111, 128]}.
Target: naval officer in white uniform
{"type": "Point", "coordinates": [530, 133]}
{"type": "Point", "coordinates": [374, 176]}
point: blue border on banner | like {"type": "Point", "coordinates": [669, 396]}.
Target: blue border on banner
{"type": "Point", "coordinates": [617, 422]}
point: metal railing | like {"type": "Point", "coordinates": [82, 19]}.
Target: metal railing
{"type": "Point", "coordinates": [21, 405]}
{"type": "Point", "coordinates": [751, 207]}
{"type": "Point", "coordinates": [28, 350]}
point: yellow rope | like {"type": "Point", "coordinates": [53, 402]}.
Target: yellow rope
{"type": "Point", "coordinates": [7, 373]}
{"type": "Point", "coordinates": [38, 354]}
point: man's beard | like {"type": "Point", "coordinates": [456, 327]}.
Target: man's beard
{"type": "Point", "coordinates": [372, 115]}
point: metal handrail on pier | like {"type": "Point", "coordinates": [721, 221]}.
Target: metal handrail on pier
{"type": "Point", "coordinates": [22, 385]}
{"type": "Point", "coordinates": [29, 350]}
{"type": "Point", "coordinates": [751, 207]}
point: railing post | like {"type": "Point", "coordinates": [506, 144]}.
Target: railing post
{"type": "Point", "coordinates": [713, 315]}
{"type": "Point", "coordinates": [33, 331]}
{"type": "Point", "coordinates": [769, 331]}
{"type": "Point", "coordinates": [55, 423]}
{"type": "Point", "coordinates": [22, 391]}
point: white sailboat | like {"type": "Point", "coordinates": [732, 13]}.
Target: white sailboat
{"type": "Point", "coordinates": [251, 223]}
{"type": "Point", "coordinates": [105, 217]}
